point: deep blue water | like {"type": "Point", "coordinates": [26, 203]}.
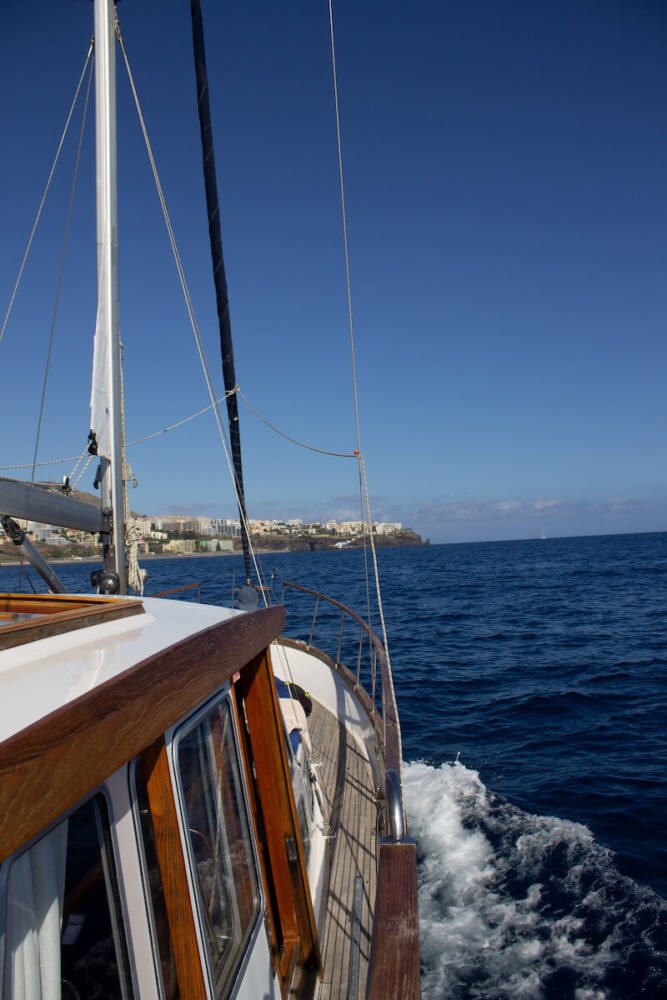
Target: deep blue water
{"type": "Point", "coordinates": [532, 686]}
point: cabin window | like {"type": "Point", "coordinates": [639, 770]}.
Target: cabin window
{"type": "Point", "coordinates": [153, 877]}
{"type": "Point", "coordinates": [220, 845]}
{"type": "Point", "coordinates": [63, 930]}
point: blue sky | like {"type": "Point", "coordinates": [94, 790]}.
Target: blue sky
{"type": "Point", "coordinates": [505, 181]}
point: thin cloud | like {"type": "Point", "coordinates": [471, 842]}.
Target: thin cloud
{"type": "Point", "coordinates": [508, 506]}
{"type": "Point", "coordinates": [473, 519]}
{"type": "Point", "coordinates": [542, 503]}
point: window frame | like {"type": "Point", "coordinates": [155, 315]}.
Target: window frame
{"type": "Point", "coordinates": [145, 879]}
{"type": "Point", "coordinates": [173, 738]}
{"type": "Point", "coordinates": [117, 913]}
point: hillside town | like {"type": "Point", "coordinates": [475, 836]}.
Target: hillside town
{"type": "Point", "coordinates": [185, 534]}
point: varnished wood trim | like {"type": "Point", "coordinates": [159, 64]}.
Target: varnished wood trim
{"type": "Point", "coordinates": [283, 935]}
{"type": "Point", "coordinates": [279, 820]}
{"type": "Point", "coordinates": [259, 840]}
{"type": "Point", "coordinates": [182, 928]}
{"type": "Point", "coordinates": [53, 604]}
{"type": "Point", "coordinates": [394, 971]}
{"type": "Point", "coordinates": [48, 767]}
{"type": "Point", "coordinates": [57, 622]}
{"type": "Point", "coordinates": [58, 614]}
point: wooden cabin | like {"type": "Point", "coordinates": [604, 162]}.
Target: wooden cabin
{"type": "Point", "coordinates": [170, 826]}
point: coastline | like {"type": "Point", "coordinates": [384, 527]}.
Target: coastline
{"type": "Point", "coordinates": [87, 560]}
{"type": "Point", "coordinates": [150, 556]}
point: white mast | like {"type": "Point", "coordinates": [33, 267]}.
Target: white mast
{"type": "Point", "coordinates": [106, 417]}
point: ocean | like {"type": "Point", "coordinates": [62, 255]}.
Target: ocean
{"type": "Point", "coordinates": [531, 679]}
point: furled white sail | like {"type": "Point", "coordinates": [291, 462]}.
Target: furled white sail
{"type": "Point", "coordinates": [100, 403]}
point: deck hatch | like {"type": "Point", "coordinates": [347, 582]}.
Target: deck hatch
{"type": "Point", "coordinates": [28, 617]}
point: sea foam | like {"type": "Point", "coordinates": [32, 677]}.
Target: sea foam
{"type": "Point", "coordinates": [515, 905]}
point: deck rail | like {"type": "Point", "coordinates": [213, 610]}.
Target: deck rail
{"type": "Point", "coordinates": [374, 661]}
{"type": "Point", "coordinates": [394, 962]}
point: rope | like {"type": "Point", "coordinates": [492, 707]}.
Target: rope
{"type": "Point", "coordinates": [54, 461]}
{"type": "Point", "coordinates": [61, 271]}
{"type": "Point", "coordinates": [189, 306]}
{"type": "Point", "coordinates": [78, 479]}
{"type": "Point", "coordinates": [79, 460]}
{"type": "Point", "coordinates": [46, 191]}
{"type": "Point", "coordinates": [136, 576]}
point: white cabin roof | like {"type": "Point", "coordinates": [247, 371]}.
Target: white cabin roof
{"type": "Point", "coordinates": [38, 677]}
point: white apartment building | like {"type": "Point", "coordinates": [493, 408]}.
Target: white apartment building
{"type": "Point", "coordinates": [183, 546]}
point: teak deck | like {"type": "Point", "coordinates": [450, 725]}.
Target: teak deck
{"type": "Point", "coordinates": [350, 807]}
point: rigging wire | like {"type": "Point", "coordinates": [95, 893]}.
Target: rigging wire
{"type": "Point", "coordinates": [147, 437]}
{"type": "Point", "coordinates": [344, 220]}
{"type": "Point", "coordinates": [189, 307]}
{"type": "Point", "coordinates": [61, 271]}
{"type": "Point", "coordinates": [180, 423]}
{"type": "Point", "coordinates": [288, 437]}
{"type": "Point", "coordinates": [348, 286]}
{"type": "Point", "coordinates": [46, 191]}
{"type": "Point", "coordinates": [362, 467]}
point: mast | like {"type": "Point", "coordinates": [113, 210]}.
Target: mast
{"type": "Point", "coordinates": [106, 407]}
{"type": "Point", "coordinates": [220, 280]}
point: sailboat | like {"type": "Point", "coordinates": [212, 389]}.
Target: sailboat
{"type": "Point", "coordinates": [191, 803]}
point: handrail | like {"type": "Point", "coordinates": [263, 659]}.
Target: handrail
{"type": "Point", "coordinates": [197, 585]}
{"type": "Point", "coordinates": [394, 795]}
{"type": "Point", "coordinates": [391, 732]}
{"type": "Point", "coordinates": [394, 960]}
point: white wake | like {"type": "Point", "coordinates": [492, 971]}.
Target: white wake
{"type": "Point", "coordinates": [512, 905]}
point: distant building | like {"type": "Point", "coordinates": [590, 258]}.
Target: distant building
{"type": "Point", "coordinates": [181, 546]}
{"type": "Point", "coordinates": [56, 540]}
{"type": "Point", "coordinates": [388, 527]}
{"type": "Point", "coordinates": [349, 528]}
{"type": "Point", "coordinates": [215, 545]}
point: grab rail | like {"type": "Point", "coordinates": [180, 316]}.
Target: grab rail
{"type": "Point", "coordinates": [394, 960]}
{"type": "Point", "coordinates": [391, 740]}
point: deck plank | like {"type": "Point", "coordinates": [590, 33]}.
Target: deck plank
{"type": "Point", "coordinates": [350, 803]}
